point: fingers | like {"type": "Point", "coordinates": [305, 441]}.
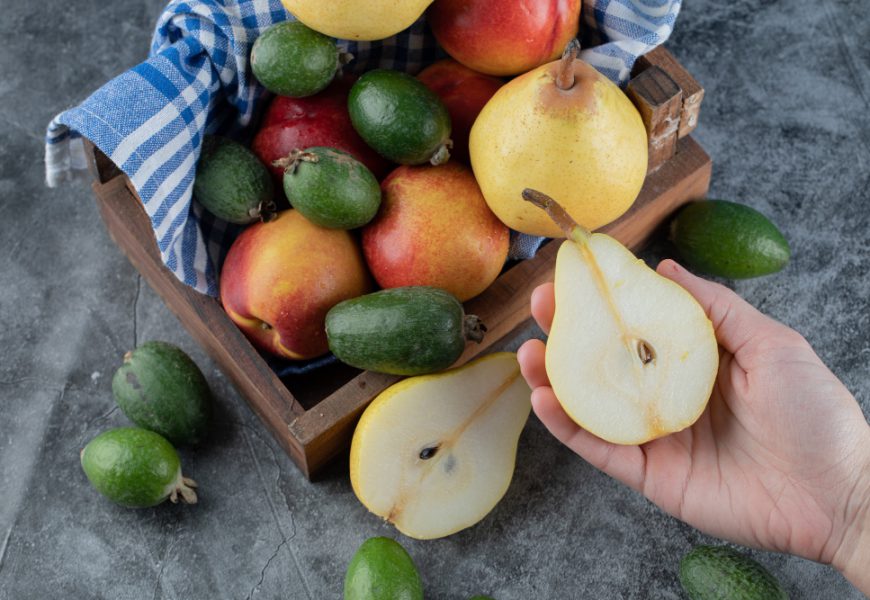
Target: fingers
{"type": "Point", "coordinates": [544, 306]}
{"type": "Point", "coordinates": [624, 463]}
{"type": "Point", "coordinates": [735, 321]}
{"type": "Point", "coordinates": [531, 359]}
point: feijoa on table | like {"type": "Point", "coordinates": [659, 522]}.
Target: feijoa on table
{"type": "Point", "coordinates": [160, 388]}
{"type": "Point", "coordinates": [136, 468]}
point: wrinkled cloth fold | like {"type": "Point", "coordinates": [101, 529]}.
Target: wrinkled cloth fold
{"type": "Point", "coordinates": [150, 120]}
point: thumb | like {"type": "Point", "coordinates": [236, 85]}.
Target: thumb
{"type": "Point", "coordinates": [735, 321]}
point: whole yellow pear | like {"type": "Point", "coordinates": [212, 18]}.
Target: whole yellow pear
{"type": "Point", "coordinates": [585, 144]}
{"type": "Point", "coordinates": [359, 20]}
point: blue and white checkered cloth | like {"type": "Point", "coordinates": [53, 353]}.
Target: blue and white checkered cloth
{"type": "Point", "coordinates": [150, 120]}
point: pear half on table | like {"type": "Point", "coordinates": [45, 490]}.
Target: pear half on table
{"type": "Point", "coordinates": [631, 355]}
{"type": "Point", "coordinates": [434, 454]}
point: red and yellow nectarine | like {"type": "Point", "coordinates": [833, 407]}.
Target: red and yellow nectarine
{"type": "Point", "coordinates": [280, 278]}
{"type": "Point", "coordinates": [504, 38]}
{"type": "Point", "coordinates": [434, 228]}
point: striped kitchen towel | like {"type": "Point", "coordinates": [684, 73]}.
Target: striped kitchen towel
{"type": "Point", "coordinates": [150, 120]}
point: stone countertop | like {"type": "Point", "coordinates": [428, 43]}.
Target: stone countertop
{"type": "Point", "coordinates": [786, 119]}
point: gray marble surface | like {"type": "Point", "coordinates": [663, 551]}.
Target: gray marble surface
{"type": "Point", "coordinates": [787, 121]}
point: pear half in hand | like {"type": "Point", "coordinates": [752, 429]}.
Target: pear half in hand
{"type": "Point", "coordinates": [434, 454]}
{"type": "Point", "coordinates": [631, 355]}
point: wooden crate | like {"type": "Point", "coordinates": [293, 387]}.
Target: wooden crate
{"type": "Point", "coordinates": [313, 417]}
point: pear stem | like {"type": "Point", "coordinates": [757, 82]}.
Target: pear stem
{"type": "Point", "coordinates": [565, 77]}
{"type": "Point", "coordinates": [573, 230]}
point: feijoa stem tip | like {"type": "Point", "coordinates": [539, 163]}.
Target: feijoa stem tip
{"type": "Point", "coordinates": [442, 154]}
{"type": "Point", "coordinates": [473, 328]}
{"type": "Point", "coordinates": [184, 488]}
{"type": "Point", "coordinates": [292, 160]}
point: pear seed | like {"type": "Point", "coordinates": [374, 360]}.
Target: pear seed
{"type": "Point", "coordinates": [645, 352]}
{"type": "Point", "coordinates": [428, 452]}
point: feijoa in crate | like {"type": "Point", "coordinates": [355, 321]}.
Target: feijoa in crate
{"type": "Point", "coordinates": [231, 182]}
{"type": "Point", "coordinates": [728, 239]}
{"type": "Point", "coordinates": [136, 468]}
{"type": "Point", "coordinates": [403, 331]}
{"type": "Point", "coordinates": [400, 118]}
{"type": "Point", "coordinates": [160, 388]}
{"type": "Point", "coordinates": [330, 187]}
{"type": "Point", "coordinates": [293, 60]}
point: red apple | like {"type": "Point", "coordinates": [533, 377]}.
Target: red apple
{"type": "Point", "coordinates": [464, 92]}
{"type": "Point", "coordinates": [327, 103]}
{"type": "Point", "coordinates": [280, 278]}
{"type": "Point", "coordinates": [504, 38]}
{"type": "Point", "coordinates": [319, 120]}
{"type": "Point", "coordinates": [434, 228]}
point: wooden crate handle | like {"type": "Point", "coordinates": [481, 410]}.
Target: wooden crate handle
{"type": "Point", "coordinates": [693, 93]}
{"type": "Point", "coordinates": [658, 100]}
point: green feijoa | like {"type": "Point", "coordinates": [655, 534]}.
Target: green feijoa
{"type": "Point", "coordinates": [381, 569]}
{"type": "Point", "coordinates": [400, 118]}
{"type": "Point", "coordinates": [160, 388]}
{"type": "Point", "coordinates": [330, 187]}
{"type": "Point", "coordinates": [136, 468]}
{"type": "Point", "coordinates": [293, 60]}
{"type": "Point", "coordinates": [231, 182]}
{"type": "Point", "coordinates": [722, 573]}
{"type": "Point", "coordinates": [727, 239]}
{"type": "Point", "coordinates": [409, 330]}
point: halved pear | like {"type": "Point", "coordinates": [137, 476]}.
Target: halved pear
{"type": "Point", "coordinates": [434, 454]}
{"type": "Point", "coordinates": [631, 355]}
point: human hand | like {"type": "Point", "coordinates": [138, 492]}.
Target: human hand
{"type": "Point", "coordinates": [779, 460]}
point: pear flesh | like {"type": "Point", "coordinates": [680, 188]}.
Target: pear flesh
{"type": "Point", "coordinates": [631, 355]}
{"type": "Point", "coordinates": [434, 454]}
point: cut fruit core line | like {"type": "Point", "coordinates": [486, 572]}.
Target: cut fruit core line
{"type": "Point", "coordinates": [442, 449]}
{"type": "Point", "coordinates": [641, 352]}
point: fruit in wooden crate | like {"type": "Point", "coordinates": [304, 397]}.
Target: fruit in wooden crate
{"type": "Point", "coordinates": [714, 572]}
{"type": "Point", "coordinates": [568, 131]}
{"type": "Point", "coordinates": [320, 120]}
{"type": "Point", "coordinates": [631, 355]}
{"type": "Point", "coordinates": [231, 183]}
{"type": "Point", "coordinates": [364, 20]}
{"type": "Point", "coordinates": [160, 388]}
{"type": "Point", "coordinates": [293, 60]}
{"type": "Point", "coordinates": [382, 569]}
{"type": "Point", "coordinates": [727, 239]}
{"type": "Point", "coordinates": [464, 92]}
{"type": "Point", "coordinates": [435, 229]}
{"type": "Point", "coordinates": [280, 279]}
{"type": "Point", "coordinates": [400, 118]}
{"type": "Point", "coordinates": [136, 468]}
{"type": "Point", "coordinates": [330, 187]}
{"type": "Point", "coordinates": [403, 331]}
{"type": "Point", "coordinates": [504, 38]}
{"type": "Point", "coordinates": [434, 454]}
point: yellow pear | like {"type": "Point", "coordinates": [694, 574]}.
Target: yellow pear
{"type": "Point", "coordinates": [358, 20]}
{"type": "Point", "coordinates": [434, 454]}
{"type": "Point", "coordinates": [564, 129]}
{"type": "Point", "coordinates": [631, 355]}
